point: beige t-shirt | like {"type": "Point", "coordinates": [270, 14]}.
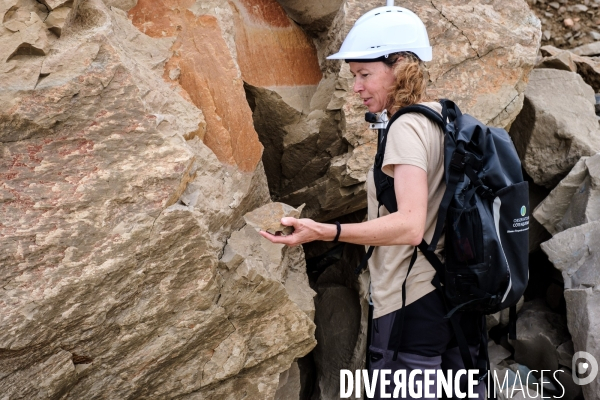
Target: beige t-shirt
{"type": "Point", "coordinates": [412, 139]}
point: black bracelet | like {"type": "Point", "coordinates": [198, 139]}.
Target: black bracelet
{"type": "Point", "coordinates": [339, 230]}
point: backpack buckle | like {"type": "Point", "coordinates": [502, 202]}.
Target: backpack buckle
{"type": "Point", "coordinates": [485, 191]}
{"type": "Point", "coordinates": [458, 161]}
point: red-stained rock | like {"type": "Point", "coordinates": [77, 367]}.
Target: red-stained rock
{"type": "Point", "coordinates": [208, 74]}
{"type": "Point", "coordinates": [271, 49]}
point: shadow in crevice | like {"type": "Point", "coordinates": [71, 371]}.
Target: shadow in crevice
{"type": "Point", "coordinates": [340, 315]}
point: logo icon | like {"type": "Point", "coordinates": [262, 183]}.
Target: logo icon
{"type": "Point", "coordinates": [581, 368]}
{"type": "Point", "coordinates": [523, 211]}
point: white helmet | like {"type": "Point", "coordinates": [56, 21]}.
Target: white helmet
{"type": "Point", "coordinates": [383, 31]}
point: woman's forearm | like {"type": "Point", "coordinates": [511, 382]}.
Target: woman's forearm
{"type": "Point", "coordinates": [389, 230]}
{"type": "Point", "coordinates": [406, 226]}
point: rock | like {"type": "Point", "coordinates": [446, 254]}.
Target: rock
{"type": "Point", "coordinates": [565, 353]}
{"type": "Point", "coordinates": [539, 332]}
{"type": "Point", "coordinates": [54, 4]}
{"type": "Point", "coordinates": [580, 8]}
{"type": "Point", "coordinates": [576, 253]}
{"type": "Point", "coordinates": [208, 74]}
{"type": "Point", "coordinates": [576, 199]}
{"type": "Point", "coordinates": [24, 39]}
{"type": "Point", "coordinates": [568, 22]}
{"type": "Point", "coordinates": [537, 232]}
{"type": "Point", "coordinates": [583, 315]}
{"type": "Point", "coordinates": [587, 67]}
{"type": "Point", "coordinates": [497, 354]}
{"type": "Point", "coordinates": [289, 384]}
{"type": "Point", "coordinates": [590, 49]}
{"type": "Point", "coordinates": [56, 20]}
{"type": "Point", "coordinates": [124, 264]}
{"type": "Point", "coordinates": [314, 16]}
{"type": "Point", "coordinates": [563, 61]}
{"type": "Point", "coordinates": [547, 35]}
{"type": "Point", "coordinates": [124, 5]}
{"type": "Point", "coordinates": [571, 389]}
{"type": "Point", "coordinates": [338, 322]}
{"type": "Point", "coordinates": [551, 135]}
{"type": "Point", "coordinates": [268, 218]}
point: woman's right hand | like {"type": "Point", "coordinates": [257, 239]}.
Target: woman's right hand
{"type": "Point", "coordinates": [305, 230]}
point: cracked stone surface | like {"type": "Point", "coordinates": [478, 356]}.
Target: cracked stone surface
{"type": "Point", "coordinates": [127, 270]}
{"type": "Point", "coordinates": [552, 133]}
{"type": "Point", "coordinates": [576, 253]}
{"type": "Point", "coordinates": [584, 324]}
{"type": "Point", "coordinates": [575, 200]}
{"type": "Point", "coordinates": [539, 333]}
{"type": "Point", "coordinates": [268, 218]}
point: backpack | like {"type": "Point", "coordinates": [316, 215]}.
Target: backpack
{"type": "Point", "coordinates": [484, 212]}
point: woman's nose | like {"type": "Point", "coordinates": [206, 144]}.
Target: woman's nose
{"type": "Point", "coordinates": [357, 87]}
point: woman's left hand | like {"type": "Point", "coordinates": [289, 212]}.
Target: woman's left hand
{"type": "Point", "coordinates": [305, 230]}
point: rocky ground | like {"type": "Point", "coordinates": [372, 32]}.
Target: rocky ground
{"type": "Point", "coordinates": [568, 23]}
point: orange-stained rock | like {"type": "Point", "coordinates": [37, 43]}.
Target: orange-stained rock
{"type": "Point", "coordinates": [272, 50]}
{"type": "Point", "coordinates": [208, 74]}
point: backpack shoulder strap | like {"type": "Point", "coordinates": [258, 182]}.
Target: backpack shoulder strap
{"type": "Point", "coordinates": [420, 109]}
{"type": "Point", "coordinates": [383, 183]}
{"type": "Point", "coordinates": [384, 187]}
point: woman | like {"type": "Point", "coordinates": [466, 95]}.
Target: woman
{"type": "Point", "coordinates": [389, 75]}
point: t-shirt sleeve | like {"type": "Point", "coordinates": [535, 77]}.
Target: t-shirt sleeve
{"type": "Point", "coordinates": [406, 144]}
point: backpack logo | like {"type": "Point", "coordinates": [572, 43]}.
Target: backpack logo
{"type": "Point", "coordinates": [523, 211]}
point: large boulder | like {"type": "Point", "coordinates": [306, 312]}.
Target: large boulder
{"type": "Point", "coordinates": [315, 16]}
{"type": "Point", "coordinates": [539, 333]}
{"type": "Point", "coordinates": [576, 252]}
{"type": "Point", "coordinates": [583, 314]}
{"type": "Point", "coordinates": [127, 271]}
{"type": "Point", "coordinates": [575, 200]}
{"type": "Point", "coordinates": [557, 125]}
{"type": "Point", "coordinates": [587, 67]}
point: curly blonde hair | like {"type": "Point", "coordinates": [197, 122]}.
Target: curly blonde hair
{"type": "Point", "coordinates": [410, 86]}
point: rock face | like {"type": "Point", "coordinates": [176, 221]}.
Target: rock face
{"type": "Point", "coordinates": [539, 333]}
{"type": "Point", "coordinates": [551, 133]}
{"type": "Point", "coordinates": [575, 251]}
{"type": "Point", "coordinates": [204, 70]}
{"type": "Point", "coordinates": [584, 324]}
{"type": "Point", "coordinates": [576, 199]}
{"type": "Point", "coordinates": [587, 67]}
{"type": "Point", "coordinates": [126, 269]}
{"type": "Point", "coordinates": [325, 152]}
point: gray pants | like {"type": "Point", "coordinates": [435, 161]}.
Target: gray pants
{"type": "Point", "coordinates": [427, 344]}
